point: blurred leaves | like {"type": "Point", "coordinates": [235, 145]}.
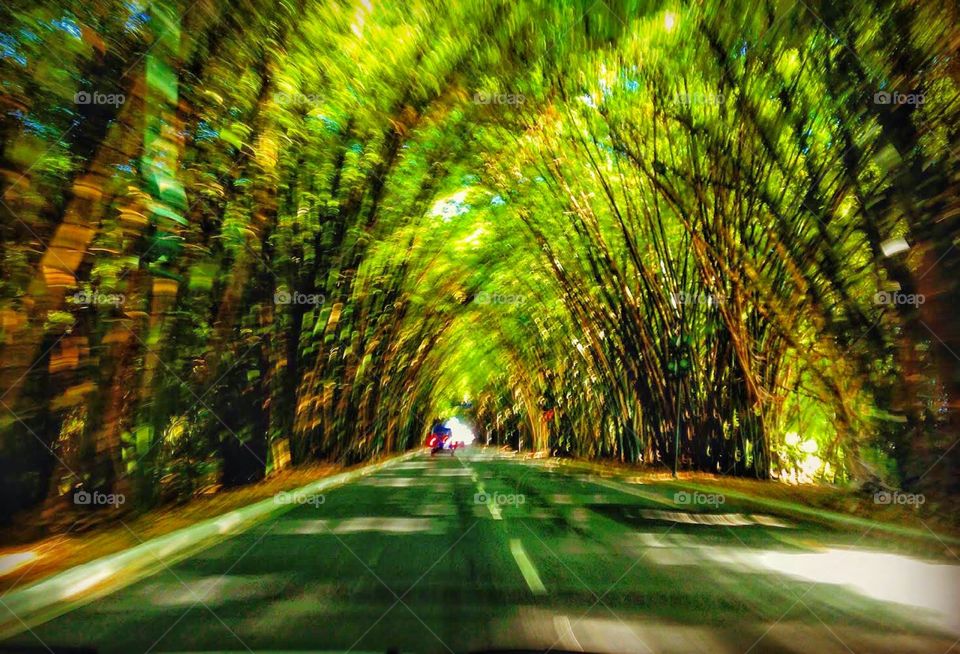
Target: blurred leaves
{"type": "Point", "coordinates": [331, 223]}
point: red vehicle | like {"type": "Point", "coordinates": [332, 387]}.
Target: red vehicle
{"type": "Point", "coordinates": [440, 440]}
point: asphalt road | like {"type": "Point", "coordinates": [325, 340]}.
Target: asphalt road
{"type": "Point", "coordinates": [481, 551]}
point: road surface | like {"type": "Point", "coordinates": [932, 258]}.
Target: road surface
{"type": "Point", "coordinates": [483, 551]}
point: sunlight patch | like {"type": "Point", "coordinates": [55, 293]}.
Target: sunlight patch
{"type": "Point", "coordinates": [713, 519]}
{"type": "Point", "coordinates": [451, 206]}
{"type": "Point", "coordinates": [12, 562]}
{"type": "Point", "coordinates": [392, 482]}
{"type": "Point", "coordinates": [449, 472]}
{"type": "Point", "coordinates": [211, 590]}
{"type": "Point", "coordinates": [385, 525]}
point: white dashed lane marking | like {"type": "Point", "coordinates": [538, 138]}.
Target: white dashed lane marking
{"type": "Point", "coordinates": [527, 569]}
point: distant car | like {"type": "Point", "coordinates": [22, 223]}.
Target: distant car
{"type": "Point", "coordinates": [438, 438]}
{"type": "Point", "coordinates": [445, 445]}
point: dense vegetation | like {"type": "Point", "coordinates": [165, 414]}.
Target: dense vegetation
{"type": "Point", "coordinates": [238, 236]}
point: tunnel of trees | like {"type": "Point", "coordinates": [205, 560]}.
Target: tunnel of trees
{"type": "Point", "coordinates": [240, 236]}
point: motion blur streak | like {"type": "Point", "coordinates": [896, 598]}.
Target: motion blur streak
{"type": "Point", "coordinates": [247, 243]}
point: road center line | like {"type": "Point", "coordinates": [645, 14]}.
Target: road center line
{"type": "Point", "coordinates": [526, 567]}
{"type": "Point", "coordinates": [490, 502]}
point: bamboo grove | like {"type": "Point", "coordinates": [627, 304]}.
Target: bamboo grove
{"type": "Point", "coordinates": [240, 236]}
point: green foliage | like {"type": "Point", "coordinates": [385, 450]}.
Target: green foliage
{"type": "Point", "coordinates": [326, 222]}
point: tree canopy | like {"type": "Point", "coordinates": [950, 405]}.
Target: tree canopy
{"type": "Point", "coordinates": [237, 236]}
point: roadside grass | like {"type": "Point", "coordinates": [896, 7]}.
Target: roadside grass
{"type": "Point", "coordinates": [38, 545]}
